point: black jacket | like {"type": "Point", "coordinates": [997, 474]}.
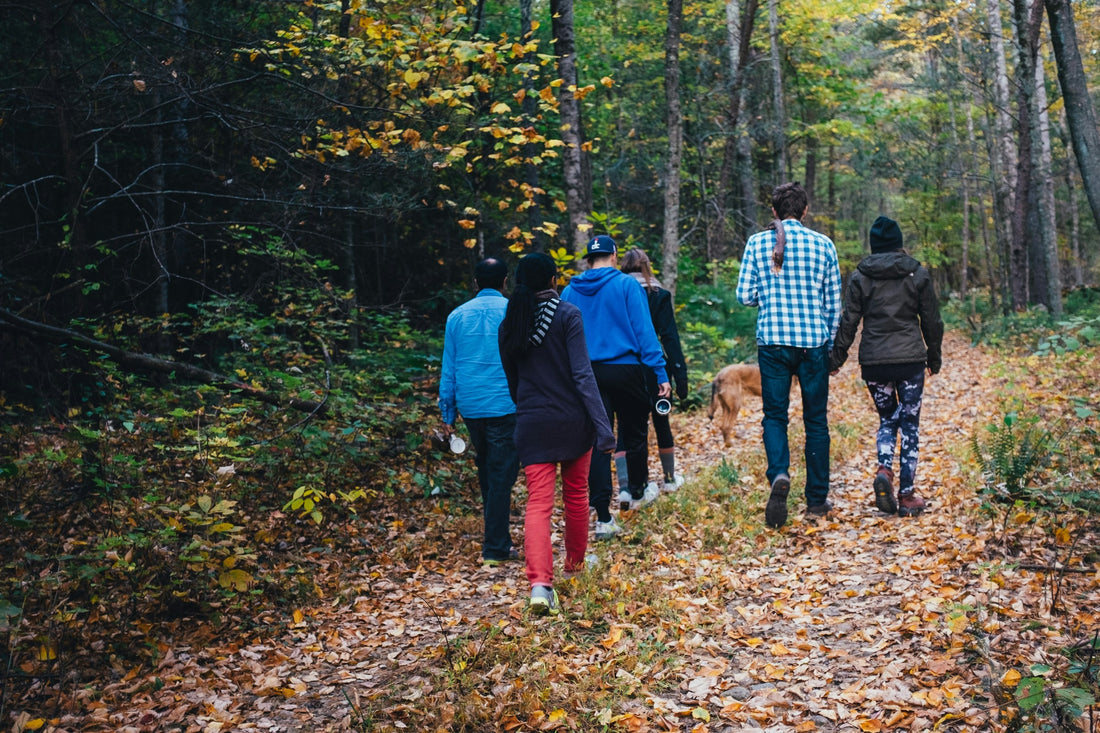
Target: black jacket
{"type": "Point", "coordinates": [559, 412]}
{"type": "Point", "coordinates": [664, 323]}
{"type": "Point", "coordinates": [893, 295]}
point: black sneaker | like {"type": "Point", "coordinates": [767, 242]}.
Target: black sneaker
{"type": "Point", "coordinates": [820, 510]}
{"type": "Point", "coordinates": [775, 513]}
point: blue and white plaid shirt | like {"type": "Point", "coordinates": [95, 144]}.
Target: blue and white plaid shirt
{"type": "Point", "coordinates": [800, 304]}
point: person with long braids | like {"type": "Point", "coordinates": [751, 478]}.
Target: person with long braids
{"type": "Point", "coordinates": [559, 418]}
{"type": "Point", "coordinates": [792, 275]}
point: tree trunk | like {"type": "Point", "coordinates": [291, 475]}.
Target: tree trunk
{"type": "Point", "coordinates": [777, 95]}
{"type": "Point", "coordinates": [1075, 95]}
{"type": "Point", "coordinates": [830, 193]}
{"type": "Point", "coordinates": [670, 249]}
{"type": "Point", "coordinates": [530, 116]}
{"type": "Point", "coordinates": [739, 25]}
{"type": "Point", "coordinates": [578, 186]}
{"type": "Point", "coordinates": [1074, 214]}
{"type": "Point", "coordinates": [810, 180]}
{"type": "Point", "coordinates": [1027, 41]}
{"type": "Point", "coordinates": [965, 162]}
{"type": "Point", "coordinates": [1003, 162]}
{"type": "Point", "coordinates": [1047, 260]}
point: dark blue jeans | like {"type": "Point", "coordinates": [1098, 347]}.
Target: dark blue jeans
{"type": "Point", "coordinates": [778, 365]}
{"type": "Point", "coordinates": [497, 468]}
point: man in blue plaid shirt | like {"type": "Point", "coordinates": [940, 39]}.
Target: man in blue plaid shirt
{"type": "Point", "coordinates": [791, 273]}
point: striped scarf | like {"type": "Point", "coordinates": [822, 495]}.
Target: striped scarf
{"type": "Point", "coordinates": [543, 316]}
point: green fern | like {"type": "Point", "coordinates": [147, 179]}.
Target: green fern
{"type": "Point", "coordinates": [1011, 456]}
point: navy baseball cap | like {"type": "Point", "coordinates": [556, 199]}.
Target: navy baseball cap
{"type": "Point", "coordinates": [601, 245]}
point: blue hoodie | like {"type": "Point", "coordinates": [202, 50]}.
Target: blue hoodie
{"type": "Point", "coordinates": [617, 326]}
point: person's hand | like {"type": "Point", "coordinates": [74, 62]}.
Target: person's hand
{"type": "Point", "coordinates": [664, 390]}
{"type": "Point", "coordinates": [834, 372]}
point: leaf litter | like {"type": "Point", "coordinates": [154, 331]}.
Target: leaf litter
{"type": "Point", "coordinates": [688, 622]}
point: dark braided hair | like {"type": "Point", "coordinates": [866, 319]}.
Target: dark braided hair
{"type": "Point", "coordinates": [535, 273]}
{"type": "Point", "coordinates": [789, 202]}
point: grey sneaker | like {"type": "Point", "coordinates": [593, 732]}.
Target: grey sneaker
{"type": "Point", "coordinates": [544, 601]}
{"type": "Point", "coordinates": [652, 491]}
{"type": "Point", "coordinates": [626, 501]}
{"type": "Point", "coordinates": [775, 513]}
{"type": "Point", "coordinates": [607, 530]}
{"type": "Point", "coordinates": [671, 484]}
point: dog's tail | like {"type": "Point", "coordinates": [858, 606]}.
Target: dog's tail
{"type": "Point", "coordinates": [713, 399]}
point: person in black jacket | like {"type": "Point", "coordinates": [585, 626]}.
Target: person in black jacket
{"type": "Point", "coordinates": [902, 336]}
{"type": "Point", "coordinates": [636, 263]}
{"type": "Point", "coordinates": [560, 416]}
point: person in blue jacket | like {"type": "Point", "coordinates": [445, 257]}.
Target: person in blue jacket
{"type": "Point", "coordinates": [622, 346]}
{"type": "Point", "coordinates": [472, 385]}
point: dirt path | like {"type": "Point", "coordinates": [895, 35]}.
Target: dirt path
{"type": "Point", "coordinates": [854, 623]}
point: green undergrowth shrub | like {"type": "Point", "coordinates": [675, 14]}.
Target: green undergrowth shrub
{"type": "Point", "coordinates": [715, 329]}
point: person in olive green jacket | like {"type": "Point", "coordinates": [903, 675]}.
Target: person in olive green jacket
{"type": "Point", "coordinates": [892, 293]}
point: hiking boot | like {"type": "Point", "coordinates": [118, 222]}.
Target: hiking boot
{"type": "Point", "coordinates": [626, 501]}
{"type": "Point", "coordinates": [495, 562]}
{"type": "Point", "coordinates": [820, 510]}
{"type": "Point", "coordinates": [884, 491]}
{"type": "Point", "coordinates": [910, 505]}
{"type": "Point", "coordinates": [672, 483]}
{"type": "Point", "coordinates": [775, 513]}
{"type": "Point", "coordinates": [544, 601]}
{"type": "Point", "coordinates": [607, 530]}
{"type": "Point", "coordinates": [649, 495]}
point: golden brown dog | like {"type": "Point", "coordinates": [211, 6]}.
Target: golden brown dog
{"type": "Point", "coordinates": [727, 393]}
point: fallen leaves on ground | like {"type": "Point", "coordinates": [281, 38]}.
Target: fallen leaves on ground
{"type": "Point", "coordinates": [688, 622]}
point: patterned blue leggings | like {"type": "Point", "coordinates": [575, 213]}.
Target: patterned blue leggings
{"type": "Point", "coordinates": [898, 405]}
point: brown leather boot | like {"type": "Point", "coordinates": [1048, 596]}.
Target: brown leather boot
{"type": "Point", "coordinates": [910, 505]}
{"type": "Point", "coordinates": [884, 490]}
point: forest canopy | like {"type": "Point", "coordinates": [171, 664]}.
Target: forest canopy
{"type": "Point", "coordinates": [174, 169]}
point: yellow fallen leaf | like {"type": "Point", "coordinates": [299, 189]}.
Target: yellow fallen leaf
{"type": "Point", "coordinates": [613, 637]}
{"type": "Point", "coordinates": [1011, 678]}
{"type": "Point", "coordinates": [34, 724]}
{"type": "Point", "coordinates": [700, 714]}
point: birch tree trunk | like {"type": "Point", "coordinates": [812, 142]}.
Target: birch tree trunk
{"type": "Point", "coordinates": [578, 187]}
{"type": "Point", "coordinates": [670, 249]}
{"type": "Point", "coordinates": [531, 179]}
{"type": "Point", "coordinates": [739, 25]}
{"type": "Point", "coordinates": [1003, 162]}
{"type": "Point", "coordinates": [777, 95]}
{"type": "Point", "coordinates": [1075, 94]}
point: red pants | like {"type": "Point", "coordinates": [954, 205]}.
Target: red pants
{"type": "Point", "coordinates": [541, 478]}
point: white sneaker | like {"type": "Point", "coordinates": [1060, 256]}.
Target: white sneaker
{"type": "Point", "coordinates": [652, 491]}
{"type": "Point", "coordinates": [626, 501]}
{"type": "Point", "coordinates": [607, 530]}
{"type": "Point", "coordinates": [676, 482]}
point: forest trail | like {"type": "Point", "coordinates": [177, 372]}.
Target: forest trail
{"type": "Point", "coordinates": [858, 622]}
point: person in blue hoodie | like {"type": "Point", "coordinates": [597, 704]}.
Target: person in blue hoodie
{"type": "Point", "coordinates": [622, 346]}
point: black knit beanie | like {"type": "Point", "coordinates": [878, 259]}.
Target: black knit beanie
{"type": "Point", "coordinates": [885, 235]}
